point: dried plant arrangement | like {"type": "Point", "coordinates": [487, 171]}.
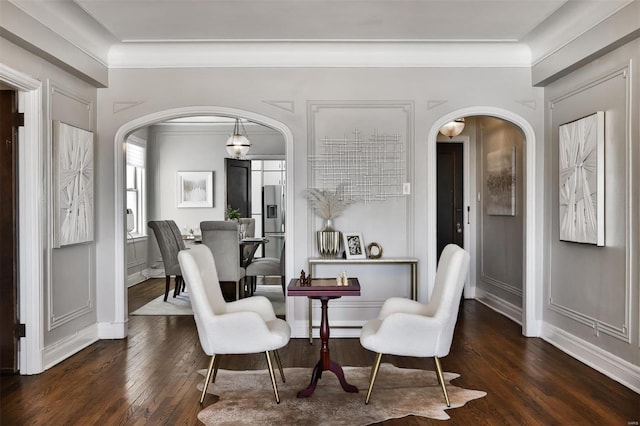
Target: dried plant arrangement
{"type": "Point", "coordinates": [327, 204]}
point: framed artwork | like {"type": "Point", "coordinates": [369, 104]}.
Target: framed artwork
{"type": "Point", "coordinates": [581, 180]}
{"type": "Point", "coordinates": [501, 182]}
{"type": "Point", "coordinates": [354, 245]}
{"type": "Point", "coordinates": [72, 185]}
{"type": "Point", "coordinates": [194, 189]}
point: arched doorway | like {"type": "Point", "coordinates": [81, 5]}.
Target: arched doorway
{"type": "Point", "coordinates": [532, 294]}
{"type": "Point", "coordinates": [119, 173]}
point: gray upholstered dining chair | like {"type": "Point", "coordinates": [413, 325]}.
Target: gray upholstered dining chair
{"type": "Point", "coordinates": [170, 244]}
{"type": "Point", "coordinates": [266, 266]}
{"type": "Point", "coordinates": [406, 327]}
{"type": "Point", "coordinates": [250, 232]}
{"type": "Point", "coordinates": [221, 236]}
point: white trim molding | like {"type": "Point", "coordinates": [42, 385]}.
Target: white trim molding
{"type": "Point", "coordinates": [31, 225]}
{"type": "Point", "coordinates": [118, 328]}
{"type": "Point", "coordinates": [532, 297]}
{"type": "Point", "coordinates": [610, 365]}
{"type": "Point", "coordinates": [64, 348]}
{"type": "Point", "coordinates": [501, 306]}
{"type": "Point", "coordinates": [319, 54]}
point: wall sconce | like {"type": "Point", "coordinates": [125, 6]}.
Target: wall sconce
{"type": "Point", "coordinates": [453, 128]}
{"type": "Point", "coordinates": [238, 143]}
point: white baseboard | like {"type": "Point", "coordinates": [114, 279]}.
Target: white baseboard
{"type": "Point", "coordinates": [137, 277]}
{"type": "Point", "coordinates": [509, 310]}
{"type": "Point", "coordinates": [112, 330]}
{"type": "Point", "coordinates": [608, 364]}
{"type": "Point", "coordinates": [63, 349]}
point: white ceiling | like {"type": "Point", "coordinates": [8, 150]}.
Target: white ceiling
{"type": "Point", "coordinates": [215, 20]}
{"type": "Point", "coordinates": [97, 26]}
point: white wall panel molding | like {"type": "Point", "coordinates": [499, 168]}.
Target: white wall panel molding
{"type": "Point", "coordinates": [318, 54]}
{"type": "Point", "coordinates": [501, 306]}
{"type": "Point", "coordinates": [288, 106]}
{"type": "Point", "coordinates": [500, 284]}
{"type": "Point", "coordinates": [431, 104]}
{"type": "Point", "coordinates": [347, 116]}
{"type": "Point", "coordinates": [554, 302]}
{"type": "Point", "coordinates": [56, 89]}
{"type": "Point", "coordinates": [82, 306]}
{"type": "Point", "coordinates": [618, 72]}
{"type": "Point", "coordinates": [529, 103]}
{"type": "Point", "coordinates": [64, 348]}
{"type": "Point", "coordinates": [119, 106]}
{"type": "Point", "coordinates": [610, 365]}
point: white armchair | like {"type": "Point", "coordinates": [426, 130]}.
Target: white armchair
{"type": "Point", "coordinates": [409, 328]}
{"type": "Point", "coordinates": [245, 326]}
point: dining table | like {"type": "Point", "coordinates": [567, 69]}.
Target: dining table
{"type": "Point", "coordinates": [324, 289]}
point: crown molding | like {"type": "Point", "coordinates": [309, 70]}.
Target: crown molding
{"type": "Point", "coordinates": [318, 54]}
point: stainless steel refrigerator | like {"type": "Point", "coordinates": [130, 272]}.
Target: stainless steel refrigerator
{"type": "Point", "coordinates": [273, 219]}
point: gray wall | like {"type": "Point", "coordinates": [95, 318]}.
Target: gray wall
{"type": "Point", "coordinates": [501, 242]}
{"type": "Point", "coordinates": [195, 147]}
{"type": "Point", "coordinates": [322, 102]}
{"type": "Point", "coordinates": [69, 282]}
{"type": "Point", "coordinates": [592, 292]}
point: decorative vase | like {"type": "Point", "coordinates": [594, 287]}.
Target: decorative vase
{"type": "Point", "coordinates": [329, 241]}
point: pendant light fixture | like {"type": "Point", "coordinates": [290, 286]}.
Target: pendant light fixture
{"type": "Point", "coordinates": [453, 128]}
{"type": "Point", "coordinates": [238, 143]}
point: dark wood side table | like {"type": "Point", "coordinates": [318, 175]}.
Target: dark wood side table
{"type": "Point", "coordinates": [325, 289]}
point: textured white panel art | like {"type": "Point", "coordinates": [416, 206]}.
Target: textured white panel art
{"type": "Point", "coordinates": [73, 186]}
{"type": "Point", "coordinates": [581, 178]}
{"type": "Point", "coordinates": [368, 170]}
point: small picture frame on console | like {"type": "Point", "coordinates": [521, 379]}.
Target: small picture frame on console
{"type": "Point", "coordinates": [354, 245]}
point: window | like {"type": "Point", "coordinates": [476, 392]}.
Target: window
{"type": "Point", "coordinates": [136, 188]}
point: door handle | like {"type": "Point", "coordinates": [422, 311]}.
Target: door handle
{"type": "Point", "coordinates": [458, 228]}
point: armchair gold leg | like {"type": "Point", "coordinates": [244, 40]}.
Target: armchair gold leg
{"type": "Point", "coordinates": [273, 378]}
{"type": "Point", "coordinates": [216, 364]}
{"type": "Point", "coordinates": [374, 373]}
{"type": "Point", "coordinates": [441, 380]}
{"type": "Point", "coordinates": [208, 378]}
{"type": "Point", "coordinates": [279, 365]}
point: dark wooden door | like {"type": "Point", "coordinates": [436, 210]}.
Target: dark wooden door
{"type": "Point", "coordinates": [450, 195]}
{"type": "Point", "coordinates": [238, 175]}
{"type": "Point", "coordinates": [9, 122]}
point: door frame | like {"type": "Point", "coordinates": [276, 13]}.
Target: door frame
{"type": "Point", "coordinates": [469, 224]}
{"type": "Point", "coordinates": [119, 325]}
{"type": "Point", "coordinates": [532, 294]}
{"type": "Point", "coordinates": [31, 227]}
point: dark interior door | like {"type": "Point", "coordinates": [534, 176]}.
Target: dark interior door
{"type": "Point", "coordinates": [238, 174]}
{"type": "Point", "coordinates": [9, 122]}
{"type": "Point", "coordinates": [450, 195]}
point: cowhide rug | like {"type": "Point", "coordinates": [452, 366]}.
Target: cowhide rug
{"type": "Point", "coordinates": [246, 397]}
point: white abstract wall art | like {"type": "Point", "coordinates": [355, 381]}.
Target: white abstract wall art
{"type": "Point", "coordinates": [581, 180]}
{"type": "Point", "coordinates": [73, 185]}
{"type": "Point", "coordinates": [194, 189]}
{"type": "Point", "coordinates": [367, 170]}
{"type": "Point", "coordinates": [501, 182]}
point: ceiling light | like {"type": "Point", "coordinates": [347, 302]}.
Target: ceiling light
{"type": "Point", "coordinates": [238, 143]}
{"type": "Point", "coordinates": [453, 128]}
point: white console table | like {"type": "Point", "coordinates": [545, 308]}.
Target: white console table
{"type": "Point", "coordinates": [411, 261]}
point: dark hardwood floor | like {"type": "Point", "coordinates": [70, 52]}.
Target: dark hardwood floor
{"type": "Point", "coordinates": [150, 377]}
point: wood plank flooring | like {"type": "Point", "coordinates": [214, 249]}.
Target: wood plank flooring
{"type": "Point", "coordinates": [150, 377]}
